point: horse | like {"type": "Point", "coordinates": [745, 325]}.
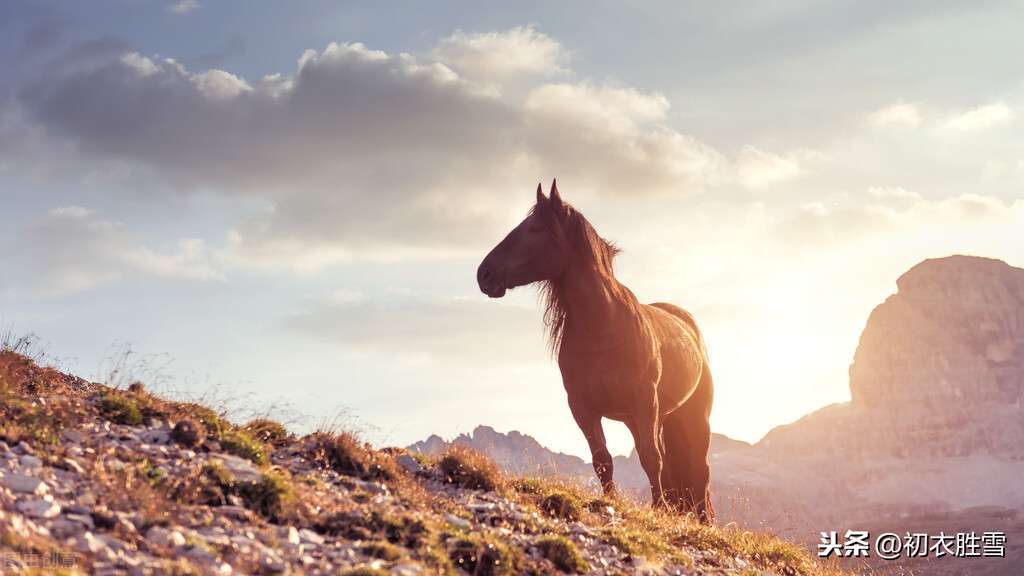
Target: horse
{"type": "Point", "coordinates": [645, 365]}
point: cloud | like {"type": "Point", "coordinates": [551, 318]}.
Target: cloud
{"type": "Point", "coordinates": [610, 139]}
{"type": "Point", "coordinates": [980, 118]}
{"type": "Point", "coordinates": [899, 217]}
{"type": "Point", "coordinates": [365, 154]}
{"type": "Point", "coordinates": [71, 249]}
{"type": "Point", "coordinates": [899, 115]}
{"type": "Point", "coordinates": [503, 56]}
{"type": "Point", "coordinates": [757, 168]}
{"type": "Point", "coordinates": [452, 330]}
{"type": "Point", "coordinates": [183, 7]}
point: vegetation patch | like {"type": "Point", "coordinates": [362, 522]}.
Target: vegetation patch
{"type": "Point", "coordinates": [238, 442]}
{"type": "Point", "coordinates": [470, 468]}
{"type": "Point", "coordinates": [120, 409]}
{"type": "Point", "coordinates": [563, 554]}
{"type": "Point", "coordinates": [561, 505]}
{"type": "Point", "coordinates": [269, 432]}
{"type": "Point", "coordinates": [383, 550]}
{"type": "Point", "coordinates": [484, 556]}
{"type": "Point", "coordinates": [346, 454]}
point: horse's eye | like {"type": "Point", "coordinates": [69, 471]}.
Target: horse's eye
{"type": "Point", "coordinates": [535, 228]}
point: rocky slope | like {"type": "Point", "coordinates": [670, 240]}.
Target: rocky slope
{"type": "Point", "coordinates": [95, 480]}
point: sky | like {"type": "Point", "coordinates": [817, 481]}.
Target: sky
{"type": "Point", "coordinates": [282, 205]}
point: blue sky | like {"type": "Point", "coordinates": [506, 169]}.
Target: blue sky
{"type": "Point", "coordinates": [289, 200]}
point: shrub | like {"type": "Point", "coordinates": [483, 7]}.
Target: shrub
{"type": "Point", "coordinates": [188, 432]}
{"type": "Point", "coordinates": [486, 557]}
{"type": "Point", "coordinates": [269, 432]}
{"type": "Point", "coordinates": [120, 409]}
{"type": "Point", "coordinates": [240, 443]}
{"type": "Point", "coordinates": [383, 550]}
{"type": "Point", "coordinates": [470, 468]}
{"type": "Point", "coordinates": [345, 454]}
{"type": "Point", "coordinates": [561, 505]}
{"type": "Point", "coordinates": [562, 553]}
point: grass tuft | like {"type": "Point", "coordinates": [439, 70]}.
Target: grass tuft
{"type": "Point", "coordinates": [563, 554]}
{"type": "Point", "coordinates": [470, 468]}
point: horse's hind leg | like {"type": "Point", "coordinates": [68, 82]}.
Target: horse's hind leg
{"type": "Point", "coordinates": [687, 439]}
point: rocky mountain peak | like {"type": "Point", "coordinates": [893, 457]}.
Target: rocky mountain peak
{"type": "Point", "coordinates": [953, 333]}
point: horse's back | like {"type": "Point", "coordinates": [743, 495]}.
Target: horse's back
{"type": "Point", "coordinates": [685, 319]}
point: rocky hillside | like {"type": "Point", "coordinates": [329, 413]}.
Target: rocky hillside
{"type": "Point", "coordinates": [97, 480]}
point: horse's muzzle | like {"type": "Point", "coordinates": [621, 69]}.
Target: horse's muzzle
{"type": "Point", "coordinates": [489, 283]}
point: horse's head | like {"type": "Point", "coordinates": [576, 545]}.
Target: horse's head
{"type": "Point", "coordinates": [533, 251]}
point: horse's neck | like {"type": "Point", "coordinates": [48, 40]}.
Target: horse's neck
{"type": "Point", "coordinates": [592, 305]}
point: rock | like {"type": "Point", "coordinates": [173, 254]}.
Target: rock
{"type": "Point", "coordinates": [456, 521]}
{"type": "Point", "coordinates": [405, 569]}
{"type": "Point", "coordinates": [234, 512]}
{"type": "Point", "coordinates": [188, 432]}
{"type": "Point", "coordinates": [164, 537]}
{"type": "Point", "coordinates": [39, 508]}
{"type": "Point", "coordinates": [24, 484]}
{"type": "Point", "coordinates": [73, 466]}
{"type": "Point", "coordinates": [288, 534]}
{"type": "Point", "coordinates": [89, 544]}
{"type": "Point", "coordinates": [72, 436]}
{"type": "Point", "coordinates": [409, 463]}
{"type": "Point", "coordinates": [29, 462]}
{"type": "Point", "coordinates": [307, 536]}
{"type": "Point", "coordinates": [243, 470]}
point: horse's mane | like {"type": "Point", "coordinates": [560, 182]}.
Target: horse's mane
{"type": "Point", "coordinates": [582, 242]}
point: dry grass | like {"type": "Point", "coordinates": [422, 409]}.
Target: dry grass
{"type": "Point", "coordinates": [470, 468]}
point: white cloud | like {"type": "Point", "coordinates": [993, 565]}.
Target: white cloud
{"type": "Point", "coordinates": [183, 7]}
{"type": "Point", "coordinates": [756, 168]}
{"type": "Point", "coordinates": [898, 115]}
{"type": "Point", "coordinates": [71, 249]}
{"type": "Point", "coordinates": [503, 56]}
{"type": "Point", "coordinates": [362, 152]}
{"type": "Point", "coordinates": [980, 118]}
{"type": "Point", "coordinates": [219, 85]}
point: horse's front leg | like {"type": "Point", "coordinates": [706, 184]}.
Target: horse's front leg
{"type": "Point", "coordinates": [590, 424]}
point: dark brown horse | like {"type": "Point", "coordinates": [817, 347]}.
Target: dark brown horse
{"type": "Point", "coordinates": [644, 365]}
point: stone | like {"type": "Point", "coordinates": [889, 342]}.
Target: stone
{"type": "Point", "coordinates": [72, 436]}
{"type": "Point", "coordinates": [29, 462]}
{"type": "Point", "coordinates": [24, 484]}
{"type": "Point", "coordinates": [307, 536]}
{"type": "Point", "coordinates": [409, 463]}
{"type": "Point", "coordinates": [164, 537]}
{"type": "Point", "coordinates": [456, 521]}
{"type": "Point", "coordinates": [405, 569]}
{"type": "Point", "coordinates": [89, 544]}
{"type": "Point", "coordinates": [288, 534]}
{"type": "Point", "coordinates": [188, 432]}
{"type": "Point", "coordinates": [39, 508]}
{"type": "Point", "coordinates": [243, 470]}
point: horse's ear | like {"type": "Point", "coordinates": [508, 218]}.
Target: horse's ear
{"type": "Point", "coordinates": [556, 200]}
{"type": "Point", "coordinates": [540, 194]}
